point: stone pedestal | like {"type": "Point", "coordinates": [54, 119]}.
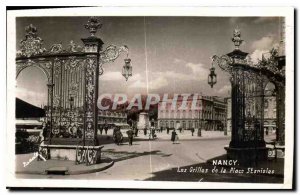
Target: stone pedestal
{"type": "Point", "coordinates": [247, 156]}
{"type": "Point", "coordinates": [143, 123]}
{"type": "Point", "coordinates": [79, 154]}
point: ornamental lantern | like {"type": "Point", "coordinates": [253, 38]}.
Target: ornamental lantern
{"type": "Point", "coordinates": [212, 77]}
{"type": "Point", "coordinates": [127, 69]}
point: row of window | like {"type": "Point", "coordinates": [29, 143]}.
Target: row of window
{"type": "Point", "coordinates": [187, 124]}
{"type": "Point", "coordinates": [170, 106]}
{"type": "Point", "coordinates": [204, 115]}
{"type": "Point", "coordinates": [112, 120]}
{"type": "Point", "coordinates": [111, 114]}
{"type": "Point", "coordinates": [182, 124]}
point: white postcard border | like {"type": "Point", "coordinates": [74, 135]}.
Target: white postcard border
{"type": "Point", "coordinates": [286, 12]}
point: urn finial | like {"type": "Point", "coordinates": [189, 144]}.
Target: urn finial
{"type": "Point", "coordinates": [236, 39]}
{"type": "Point", "coordinates": [93, 25]}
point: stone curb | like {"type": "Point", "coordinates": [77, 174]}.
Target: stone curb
{"type": "Point", "coordinates": [72, 172]}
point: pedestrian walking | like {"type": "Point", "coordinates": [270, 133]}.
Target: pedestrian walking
{"type": "Point", "coordinates": [130, 134]}
{"type": "Point", "coordinates": [192, 130]}
{"type": "Point", "coordinates": [174, 136]}
{"type": "Point", "coordinates": [117, 136]}
{"type": "Point", "coordinates": [153, 133]}
{"type": "Point", "coordinates": [106, 129]}
{"type": "Point", "coordinates": [45, 130]}
{"type": "Point", "coordinates": [168, 130]}
{"type": "Point", "coordinates": [101, 130]}
{"type": "Point", "coordinates": [199, 132]}
{"type": "Point", "coordinates": [44, 133]}
{"type": "Point", "coordinates": [136, 131]}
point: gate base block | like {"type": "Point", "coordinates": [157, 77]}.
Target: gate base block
{"type": "Point", "coordinates": [80, 154]}
{"type": "Point", "coordinates": [247, 156]}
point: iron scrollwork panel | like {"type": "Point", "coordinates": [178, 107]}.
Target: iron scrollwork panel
{"type": "Point", "coordinates": [32, 44]}
{"type": "Point", "coordinates": [110, 54]}
{"type": "Point", "coordinates": [68, 97]}
{"type": "Point", "coordinates": [224, 62]}
{"type": "Point", "coordinates": [238, 86]}
{"type": "Point", "coordinates": [90, 96]}
{"type": "Point", "coordinates": [89, 155]}
{"type": "Point", "coordinates": [254, 106]}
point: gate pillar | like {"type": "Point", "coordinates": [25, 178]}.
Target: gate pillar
{"type": "Point", "coordinates": [92, 47]}
{"type": "Point", "coordinates": [247, 105]}
{"type": "Point", "coordinates": [247, 141]}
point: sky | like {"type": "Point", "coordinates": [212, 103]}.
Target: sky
{"type": "Point", "coordinates": [177, 51]}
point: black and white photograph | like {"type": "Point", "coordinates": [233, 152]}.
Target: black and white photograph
{"type": "Point", "coordinates": [168, 98]}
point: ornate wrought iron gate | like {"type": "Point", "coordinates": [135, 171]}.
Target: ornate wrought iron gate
{"type": "Point", "coordinates": [72, 75]}
{"type": "Point", "coordinates": [247, 100]}
{"type": "Point", "coordinates": [248, 82]}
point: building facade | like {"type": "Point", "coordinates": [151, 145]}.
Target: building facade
{"type": "Point", "coordinates": [205, 112]}
{"type": "Point", "coordinates": [111, 117]}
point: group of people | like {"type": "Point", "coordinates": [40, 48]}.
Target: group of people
{"type": "Point", "coordinates": [118, 136]}
{"type": "Point", "coordinates": [168, 129]}
{"type": "Point", "coordinates": [105, 128]}
{"type": "Point", "coordinates": [131, 133]}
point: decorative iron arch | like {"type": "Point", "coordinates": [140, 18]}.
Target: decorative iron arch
{"type": "Point", "coordinates": [44, 68]}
